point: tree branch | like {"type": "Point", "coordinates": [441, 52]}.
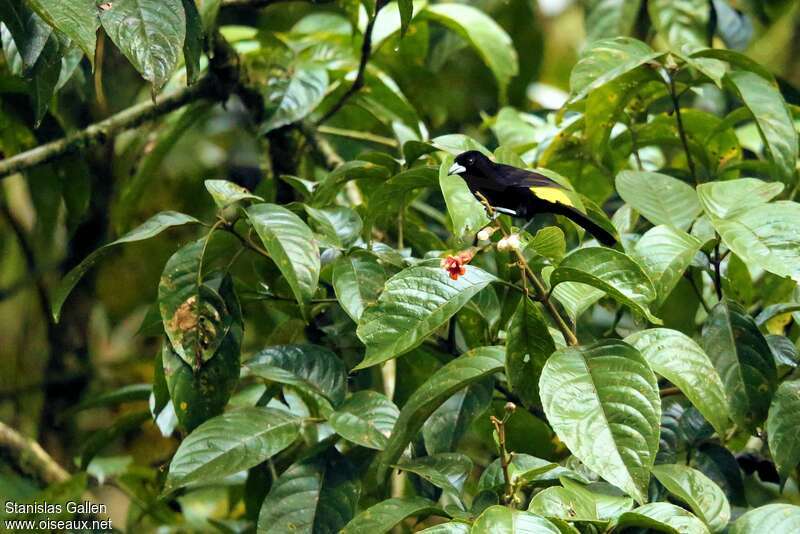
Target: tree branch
{"type": "Point", "coordinates": [681, 130]}
{"type": "Point", "coordinates": [100, 131]}
{"type": "Point", "coordinates": [358, 83]}
{"type": "Point", "coordinates": [30, 456]}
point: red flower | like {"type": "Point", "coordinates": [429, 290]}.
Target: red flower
{"type": "Point", "coordinates": [455, 264]}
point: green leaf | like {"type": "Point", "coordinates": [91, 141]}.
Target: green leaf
{"type": "Point", "coordinates": [229, 443]}
{"type": "Point", "coordinates": [765, 236]}
{"type": "Point", "coordinates": [502, 520]}
{"type": "Point", "coordinates": [598, 503]}
{"type": "Point", "coordinates": [406, 8]}
{"type": "Point", "coordinates": [666, 253]}
{"type": "Point", "coordinates": [150, 228]}
{"type": "Point", "coordinates": [381, 517]}
{"type": "Point", "coordinates": [329, 187]}
{"type": "Point", "coordinates": [195, 317]}
{"type": "Point", "coordinates": [415, 303]}
{"type": "Point", "coordinates": [293, 96]}
{"type": "Point", "coordinates": [488, 38]}
{"type": "Point", "coordinates": [677, 357]}
{"type": "Point", "coordinates": [44, 78]}
{"type": "Point", "coordinates": [310, 367]}
{"type": "Point", "coordinates": [226, 193]}
{"type": "Point", "coordinates": [466, 212]}
{"type": "Point", "coordinates": [528, 346]}
{"type": "Point", "coordinates": [550, 243]}
{"type": "Point", "coordinates": [366, 418]}
{"type": "Point", "coordinates": [28, 32]}
{"type": "Point", "coordinates": [604, 60]}
{"type": "Point", "coordinates": [772, 118]}
{"type": "Point", "coordinates": [193, 43]}
{"type": "Point", "coordinates": [456, 375]}
{"type": "Point", "coordinates": [150, 33]}
{"type": "Point", "coordinates": [683, 23]}
{"type": "Point", "coordinates": [783, 428]}
{"type": "Point", "coordinates": [611, 271]}
{"type": "Point", "coordinates": [77, 19]}
{"type": "Point", "coordinates": [129, 393]}
{"type": "Point", "coordinates": [776, 518]}
{"type": "Point", "coordinates": [312, 496]}
{"type": "Point", "coordinates": [703, 496]}
{"type": "Point", "coordinates": [446, 470]}
{"type": "Point", "coordinates": [661, 199]}
{"type": "Point", "coordinates": [663, 517]}
{"type": "Point", "coordinates": [199, 394]}
{"type": "Point", "coordinates": [602, 400]}
{"type": "Point", "coordinates": [610, 18]}
{"type": "Point", "coordinates": [450, 422]}
{"type": "Point", "coordinates": [724, 200]}
{"type": "Point", "coordinates": [743, 360]}
{"type": "Point", "coordinates": [524, 469]}
{"type": "Point", "coordinates": [358, 279]}
{"type": "Point", "coordinates": [455, 144]}
{"type": "Point", "coordinates": [291, 245]}
{"type": "Point", "coordinates": [447, 528]}
{"type": "Point", "coordinates": [341, 226]}
{"type": "Point", "coordinates": [102, 438]}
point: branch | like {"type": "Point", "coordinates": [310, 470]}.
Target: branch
{"type": "Point", "coordinates": [322, 149]}
{"type": "Point", "coordinates": [100, 131]}
{"type": "Point", "coordinates": [681, 130]}
{"type": "Point", "coordinates": [30, 456]}
{"type": "Point", "coordinates": [358, 83]}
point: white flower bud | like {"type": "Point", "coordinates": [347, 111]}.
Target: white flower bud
{"type": "Point", "coordinates": [486, 233]}
{"type": "Point", "coordinates": [511, 242]}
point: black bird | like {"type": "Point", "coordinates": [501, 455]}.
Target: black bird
{"type": "Point", "coordinates": [521, 193]}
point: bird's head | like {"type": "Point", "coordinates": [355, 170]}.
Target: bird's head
{"type": "Point", "coordinates": [471, 162]}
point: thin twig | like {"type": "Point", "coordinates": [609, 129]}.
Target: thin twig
{"type": "Point", "coordinates": [100, 131]}
{"type": "Point", "coordinates": [670, 391]}
{"type": "Point", "coordinates": [681, 130]}
{"type": "Point", "coordinates": [699, 293]}
{"type": "Point", "coordinates": [361, 136]}
{"type": "Point", "coordinates": [717, 271]}
{"type": "Point", "coordinates": [358, 83]}
{"type": "Point", "coordinates": [505, 458]}
{"type": "Point", "coordinates": [321, 148]}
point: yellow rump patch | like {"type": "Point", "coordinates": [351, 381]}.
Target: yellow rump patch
{"type": "Point", "coordinates": [553, 194]}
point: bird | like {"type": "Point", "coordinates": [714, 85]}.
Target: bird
{"type": "Point", "coordinates": [520, 192]}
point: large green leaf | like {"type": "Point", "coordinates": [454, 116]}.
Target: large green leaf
{"type": "Point", "coordinates": [703, 496]}
{"type": "Point", "coordinates": [381, 517]}
{"type": "Point", "coordinates": [772, 117]}
{"type": "Point", "coordinates": [783, 427]}
{"type": "Point", "coordinates": [291, 245]}
{"type": "Point", "coordinates": [456, 375]}
{"type": "Point", "coordinates": [77, 19]}
{"type": "Point", "coordinates": [767, 236]}
{"type": "Point", "coordinates": [414, 303]}
{"type": "Point", "coordinates": [150, 228]}
{"type": "Point", "coordinates": [503, 520]}
{"type": "Point", "coordinates": [195, 316]}
{"type": "Point", "coordinates": [611, 271]}
{"type": "Point", "coordinates": [598, 503]}
{"type": "Point", "coordinates": [488, 38]}
{"type": "Point", "coordinates": [743, 360]}
{"type": "Point", "coordinates": [774, 518]}
{"type": "Point", "coordinates": [528, 346]}
{"type": "Point", "coordinates": [340, 226]}
{"type": "Point", "coordinates": [450, 422]}
{"type": "Point", "coordinates": [452, 527]}
{"type": "Point", "coordinates": [446, 470]}
{"type": "Point", "coordinates": [293, 96]}
{"type": "Point", "coordinates": [310, 367]}
{"type": "Point", "coordinates": [358, 279]}
{"type": "Point", "coordinates": [150, 33]}
{"type": "Point", "coordinates": [602, 400]}
{"type": "Point", "coordinates": [313, 496]}
{"type": "Point", "coordinates": [226, 193]}
{"type": "Point", "coordinates": [524, 469]}
{"type": "Point", "coordinates": [229, 443]}
{"type": "Point", "coordinates": [725, 199]}
{"type": "Point", "coordinates": [604, 60]}
{"type": "Point", "coordinates": [366, 418]}
{"type": "Point", "coordinates": [663, 517]}
{"type": "Point", "coordinates": [666, 253]}
{"type": "Point", "coordinates": [466, 212]}
{"type": "Point", "coordinates": [28, 34]}
{"type": "Point", "coordinates": [677, 357]}
{"type": "Point", "coordinates": [683, 23]}
{"type": "Point", "coordinates": [610, 18]}
{"type": "Point", "coordinates": [331, 185]}
{"type": "Point", "coordinates": [199, 394]}
{"type": "Point", "coordinates": [661, 199]}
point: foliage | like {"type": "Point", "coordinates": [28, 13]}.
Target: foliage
{"type": "Point", "coordinates": [344, 339]}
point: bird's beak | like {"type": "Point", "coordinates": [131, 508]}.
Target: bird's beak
{"type": "Point", "coordinates": [456, 168]}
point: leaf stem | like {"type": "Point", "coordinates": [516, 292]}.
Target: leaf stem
{"type": "Point", "coordinates": [681, 130]}
{"type": "Point", "coordinates": [505, 457]}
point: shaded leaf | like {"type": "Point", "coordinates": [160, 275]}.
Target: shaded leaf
{"type": "Point", "coordinates": [77, 19]}
{"type": "Point", "coordinates": [666, 253]}
{"type": "Point", "coordinates": [358, 279]}
{"type": "Point", "coordinates": [366, 418]}
{"type": "Point", "coordinates": [528, 346]}
{"type": "Point", "coordinates": [386, 514]}
{"type": "Point", "coordinates": [703, 496]}
{"type": "Point", "coordinates": [610, 18]}
{"type": "Point", "coordinates": [294, 95]}
{"type": "Point", "coordinates": [446, 470]}
{"type": "Point", "coordinates": [449, 423]}
{"type": "Point", "coordinates": [683, 23]}
{"type": "Point", "coordinates": [783, 428]}
{"type": "Point", "coordinates": [663, 517]}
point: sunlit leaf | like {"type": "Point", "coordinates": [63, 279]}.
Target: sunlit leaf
{"type": "Point", "coordinates": [366, 418]}
{"type": "Point", "coordinates": [705, 498]}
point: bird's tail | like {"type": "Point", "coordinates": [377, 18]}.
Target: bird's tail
{"type": "Point", "coordinates": [601, 234]}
